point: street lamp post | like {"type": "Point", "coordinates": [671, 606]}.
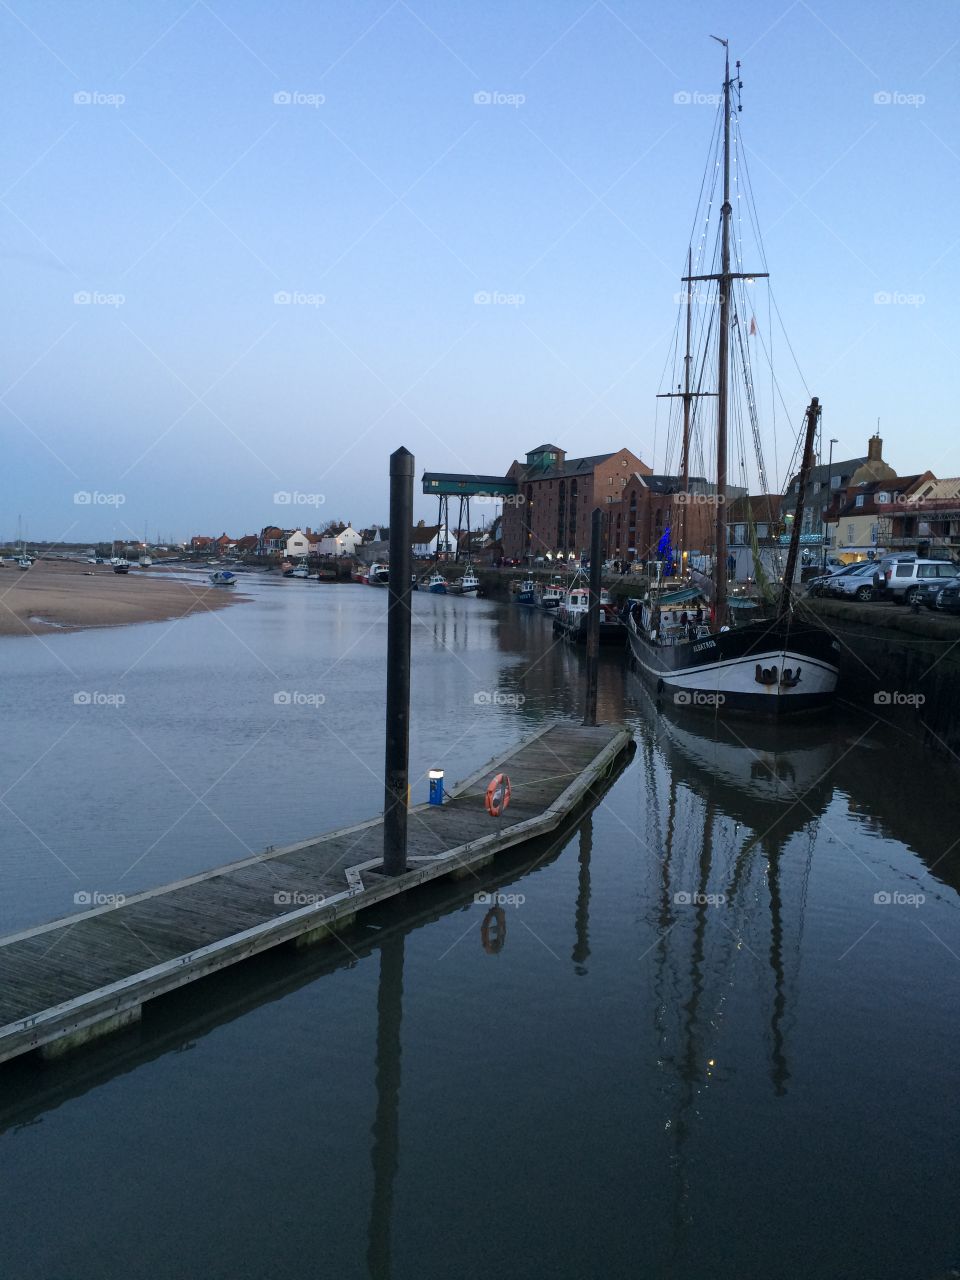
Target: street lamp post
{"type": "Point", "coordinates": [823, 523]}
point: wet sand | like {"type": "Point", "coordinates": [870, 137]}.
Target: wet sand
{"type": "Point", "coordinates": [62, 596]}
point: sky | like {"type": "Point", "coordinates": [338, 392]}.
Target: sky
{"type": "Point", "coordinates": [249, 250]}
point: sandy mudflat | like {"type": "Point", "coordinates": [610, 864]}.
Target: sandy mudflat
{"type": "Point", "coordinates": [53, 597]}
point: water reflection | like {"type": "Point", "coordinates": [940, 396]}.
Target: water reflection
{"type": "Point", "coordinates": [645, 1011]}
{"type": "Point", "coordinates": [739, 800]}
{"type": "Point", "coordinates": [581, 948]}
{"type": "Point", "coordinates": [385, 1149]}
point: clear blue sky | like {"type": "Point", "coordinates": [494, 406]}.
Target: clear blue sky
{"type": "Point", "coordinates": [399, 198]}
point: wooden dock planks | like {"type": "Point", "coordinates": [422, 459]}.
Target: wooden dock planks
{"type": "Point", "coordinates": [61, 982]}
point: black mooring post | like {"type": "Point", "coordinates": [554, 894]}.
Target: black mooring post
{"type": "Point", "coordinates": [395, 769]}
{"type": "Point", "coordinates": [593, 616]}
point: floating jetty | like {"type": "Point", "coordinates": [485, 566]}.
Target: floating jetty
{"type": "Point", "coordinates": [71, 981]}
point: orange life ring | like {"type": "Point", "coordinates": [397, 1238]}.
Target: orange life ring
{"type": "Point", "coordinates": [498, 795]}
{"type": "Point", "coordinates": [493, 931]}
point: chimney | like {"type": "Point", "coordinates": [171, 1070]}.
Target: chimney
{"type": "Point", "coordinates": [874, 449]}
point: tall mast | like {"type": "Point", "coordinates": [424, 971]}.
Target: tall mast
{"type": "Point", "coordinates": [685, 462]}
{"type": "Point", "coordinates": [724, 280]}
{"type": "Point", "coordinates": [688, 397]}
{"type": "Point", "coordinates": [723, 361]}
{"type": "Point", "coordinates": [806, 466]}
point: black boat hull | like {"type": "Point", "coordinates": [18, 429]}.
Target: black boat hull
{"type": "Point", "coordinates": [765, 668]}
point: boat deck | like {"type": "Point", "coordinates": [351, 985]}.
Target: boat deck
{"type": "Point", "coordinates": [74, 979]}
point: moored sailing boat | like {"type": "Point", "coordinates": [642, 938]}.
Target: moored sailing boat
{"type": "Point", "coordinates": [703, 658]}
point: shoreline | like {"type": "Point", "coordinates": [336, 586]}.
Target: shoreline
{"type": "Point", "coordinates": [54, 598]}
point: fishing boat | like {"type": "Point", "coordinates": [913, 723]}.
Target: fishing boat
{"type": "Point", "coordinates": [120, 564]}
{"type": "Point", "coordinates": [437, 583]}
{"type": "Point", "coordinates": [23, 562]}
{"type": "Point", "coordinates": [300, 571]}
{"type": "Point", "coordinates": [223, 578]}
{"type": "Point", "coordinates": [468, 585]}
{"type": "Point", "coordinates": [526, 592]}
{"type": "Point", "coordinates": [326, 574]}
{"type": "Point", "coordinates": [551, 597]}
{"type": "Point", "coordinates": [571, 616]}
{"type": "Point", "coordinates": [690, 640]}
{"type": "Point", "coordinates": [378, 575]}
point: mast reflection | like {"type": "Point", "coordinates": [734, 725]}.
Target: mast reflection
{"type": "Point", "coordinates": [727, 803]}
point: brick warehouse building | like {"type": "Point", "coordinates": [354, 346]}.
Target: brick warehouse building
{"type": "Point", "coordinates": [651, 504]}
{"type": "Point", "coordinates": [555, 496]}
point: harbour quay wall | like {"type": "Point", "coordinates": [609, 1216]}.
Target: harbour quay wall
{"type": "Point", "coordinates": [899, 665]}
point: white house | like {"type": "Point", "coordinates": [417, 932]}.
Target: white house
{"type": "Point", "coordinates": [343, 543]}
{"type": "Point", "coordinates": [298, 544]}
{"type": "Point", "coordinates": [431, 540]}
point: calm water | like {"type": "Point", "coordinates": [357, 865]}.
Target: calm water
{"type": "Point", "coordinates": [705, 1048]}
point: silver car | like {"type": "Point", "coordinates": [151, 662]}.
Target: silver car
{"type": "Point", "coordinates": [823, 584]}
{"type": "Point", "coordinates": [858, 585]}
{"type": "Point", "coordinates": [902, 579]}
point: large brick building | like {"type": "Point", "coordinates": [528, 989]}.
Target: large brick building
{"type": "Point", "coordinates": [550, 513]}
{"type": "Point", "coordinates": [650, 505]}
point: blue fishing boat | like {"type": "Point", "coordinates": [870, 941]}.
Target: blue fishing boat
{"type": "Point", "coordinates": [527, 592]}
{"type": "Point", "coordinates": [437, 583]}
{"type": "Point", "coordinates": [223, 578]}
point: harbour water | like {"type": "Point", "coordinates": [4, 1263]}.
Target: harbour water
{"type": "Point", "coordinates": [717, 1038]}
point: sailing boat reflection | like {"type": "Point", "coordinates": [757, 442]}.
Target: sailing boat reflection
{"type": "Point", "coordinates": [756, 786]}
{"type": "Point", "coordinates": [737, 832]}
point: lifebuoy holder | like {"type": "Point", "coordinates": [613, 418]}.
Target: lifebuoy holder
{"type": "Point", "coordinates": [498, 795]}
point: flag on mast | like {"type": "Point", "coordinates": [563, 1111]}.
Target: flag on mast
{"type": "Point", "coordinates": [753, 326]}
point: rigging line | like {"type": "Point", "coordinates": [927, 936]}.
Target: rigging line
{"type": "Point", "coordinates": [671, 352]}
{"type": "Point", "coordinates": [773, 398]}
{"type": "Point", "coordinates": [786, 336]}
{"type": "Point", "coordinates": [752, 212]}
{"type": "Point", "coordinates": [752, 402]}
{"type": "Point", "coordinates": [696, 420]}
{"type": "Point", "coordinates": [774, 379]}
{"type": "Point", "coordinates": [748, 183]}
{"type": "Point", "coordinates": [712, 152]}
{"type": "Point", "coordinates": [796, 455]}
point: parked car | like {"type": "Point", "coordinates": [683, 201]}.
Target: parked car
{"type": "Point", "coordinates": [822, 584]}
{"type": "Point", "coordinates": [930, 591]}
{"type": "Point", "coordinates": [948, 598]}
{"type": "Point", "coordinates": [858, 585]}
{"type": "Point", "coordinates": [903, 578]}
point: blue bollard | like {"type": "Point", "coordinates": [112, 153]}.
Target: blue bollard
{"type": "Point", "coordinates": [436, 786]}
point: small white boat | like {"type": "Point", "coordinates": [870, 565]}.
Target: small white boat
{"type": "Point", "coordinates": [24, 562]}
{"type": "Point", "coordinates": [301, 571]}
{"type": "Point", "coordinates": [120, 564]}
{"type": "Point", "coordinates": [551, 597]}
{"type": "Point", "coordinates": [145, 562]}
{"type": "Point", "coordinates": [223, 578]}
{"type": "Point", "coordinates": [378, 575]}
{"type": "Point", "coordinates": [469, 584]}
